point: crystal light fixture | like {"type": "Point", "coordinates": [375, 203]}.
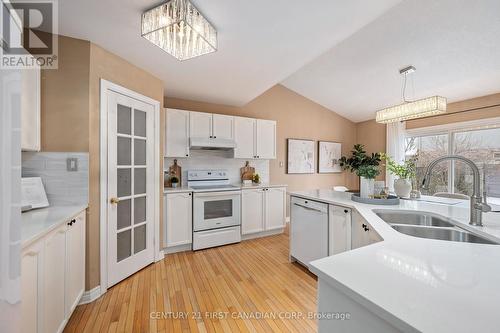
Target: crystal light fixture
{"type": "Point", "coordinates": [179, 29]}
{"type": "Point", "coordinates": [411, 109]}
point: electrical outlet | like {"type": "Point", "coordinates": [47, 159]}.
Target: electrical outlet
{"type": "Point", "coordinates": [72, 164]}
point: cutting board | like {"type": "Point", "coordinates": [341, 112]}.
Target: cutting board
{"type": "Point", "coordinates": [175, 169]}
{"type": "Point", "coordinates": [247, 172]}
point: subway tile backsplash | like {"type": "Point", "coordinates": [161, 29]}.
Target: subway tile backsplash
{"type": "Point", "coordinates": [62, 187]}
{"type": "Point", "coordinates": [214, 159]}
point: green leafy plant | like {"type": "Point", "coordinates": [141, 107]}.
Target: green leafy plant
{"type": "Point", "coordinates": [360, 163]}
{"type": "Point", "coordinates": [406, 170]}
{"type": "Point", "coordinates": [368, 171]}
{"type": "Point", "coordinates": [174, 179]}
{"type": "Point", "coordinates": [256, 178]}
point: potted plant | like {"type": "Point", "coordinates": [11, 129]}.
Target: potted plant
{"type": "Point", "coordinates": [256, 178]}
{"type": "Point", "coordinates": [365, 166]}
{"type": "Point", "coordinates": [174, 181]}
{"type": "Point", "coordinates": [404, 171]}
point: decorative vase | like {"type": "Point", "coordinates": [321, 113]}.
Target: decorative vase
{"type": "Point", "coordinates": [366, 188]}
{"type": "Point", "coordinates": [174, 185]}
{"type": "Point", "coordinates": [402, 187]}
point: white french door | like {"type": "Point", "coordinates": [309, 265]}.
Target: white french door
{"type": "Point", "coordinates": [130, 186]}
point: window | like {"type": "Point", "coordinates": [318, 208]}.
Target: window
{"type": "Point", "coordinates": [481, 145]}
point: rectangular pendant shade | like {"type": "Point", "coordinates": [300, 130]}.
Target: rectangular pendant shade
{"type": "Point", "coordinates": [179, 29]}
{"type": "Point", "coordinates": [411, 110]}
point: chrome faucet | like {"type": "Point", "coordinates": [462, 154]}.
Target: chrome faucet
{"type": "Point", "coordinates": [477, 205]}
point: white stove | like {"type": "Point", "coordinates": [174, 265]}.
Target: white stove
{"type": "Point", "coordinates": [216, 209]}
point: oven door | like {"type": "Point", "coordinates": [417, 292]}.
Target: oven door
{"type": "Point", "coordinates": [213, 210]}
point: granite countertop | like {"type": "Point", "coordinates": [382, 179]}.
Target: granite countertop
{"type": "Point", "coordinates": [38, 222]}
{"type": "Point", "coordinates": [422, 284]}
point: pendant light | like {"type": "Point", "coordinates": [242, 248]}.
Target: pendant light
{"type": "Point", "coordinates": [411, 109]}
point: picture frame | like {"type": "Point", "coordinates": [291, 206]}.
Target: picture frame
{"type": "Point", "coordinates": [301, 156]}
{"type": "Point", "coordinates": [329, 153]}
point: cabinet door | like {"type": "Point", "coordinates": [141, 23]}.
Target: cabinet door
{"type": "Point", "coordinates": [177, 133]}
{"type": "Point", "coordinates": [339, 238]}
{"type": "Point", "coordinates": [223, 126]}
{"type": "Point", "coordinates": [31, 287]}
{"type": "Point", "coordinates": [275, 208]}
{"type": "Point", "coordinates": [252, 211]}
{"type": "Point", "coordinates": [30, 110]}
{"type": "Point", "coordinates": [75, 263]}
{"type": "Point", "coordinates": [266, 139]}
{"type": "Point", "coordinates": [200, 125]}
{"type": "Point", "coordinates": [244, 135]}
{"type": "Point", "coordinates": [359, 236]}
{"type": "Point", "coordinates": [178, 219]}
{"type": "Point", "coordinates": [53, 280]}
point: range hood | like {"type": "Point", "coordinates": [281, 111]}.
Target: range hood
{"type": "Point", "coordinates": [212, 144]}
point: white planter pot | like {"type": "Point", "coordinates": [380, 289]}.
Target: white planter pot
{"type": "Point", "coordinates": [402, 187]}
{"type": "Point", "coordinates": [366, 187]}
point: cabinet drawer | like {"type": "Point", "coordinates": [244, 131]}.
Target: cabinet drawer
{"type": "Point", "coordinates": [216, 237]}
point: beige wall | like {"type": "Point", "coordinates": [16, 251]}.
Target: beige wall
{"type": "Point", "coordinates": [297, 117]}
{"type": "Point", "coordinates": [70, 117]}
{"type": "Point", "coordinates": [373, 136]}
{"type": "Point", "coordinates": [65, 99]}
{"type": "Point", "coordinates": [466, 110]}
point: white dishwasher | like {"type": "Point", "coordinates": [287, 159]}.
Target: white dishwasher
{"type": "Point", "coordinates": [308, 230]}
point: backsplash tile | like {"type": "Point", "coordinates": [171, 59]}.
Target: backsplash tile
{"type": "Point", "coordinates": [214, 159]}
{"type": "Point", "coordinates": [62, 187]}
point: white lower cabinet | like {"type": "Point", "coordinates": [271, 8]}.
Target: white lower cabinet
{"type": "Point", "coordinates": [362, 232]}
{"type": "Point", "coordinates": [178, 219]}
{"type": "Point", "coordinates": [53, 277]}
{"type": "Point", "coordinates": [339, 238]}
{"type": "Point", "coordinates": [262, 209]}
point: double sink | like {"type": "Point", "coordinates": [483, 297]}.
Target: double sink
{"type": "Point", "coordinates": [427, 225]}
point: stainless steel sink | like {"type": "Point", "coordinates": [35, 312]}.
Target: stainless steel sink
{"type": "Point", "coordinates": [413, 218]}
{"type": "Point", "coordinates": [449, 234]}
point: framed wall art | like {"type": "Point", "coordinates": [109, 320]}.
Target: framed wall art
{"type": "Point", "coordinates": [329, 154]}
{"type": "Point", "coordinates": [300, 157]}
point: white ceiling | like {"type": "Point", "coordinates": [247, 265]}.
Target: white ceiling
{"type": "Point", "coordinates": [261, 42]}
{"type": "Point", "coordinates": [343, 54]}
{"type": "Point", "coordinates": [454, 44]}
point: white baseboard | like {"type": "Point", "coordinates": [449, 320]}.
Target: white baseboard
{"type": "Point", "coordinates": [178, 248]}
{"type": "Point", "coordinates": [90, 295]}
{"type": "Point", "coordinates": [262, 234]}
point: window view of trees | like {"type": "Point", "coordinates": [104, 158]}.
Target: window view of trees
{"type": "Point", "coordinates": [481, 146]}
{"type": "Point", "coordinates": [428, 149]}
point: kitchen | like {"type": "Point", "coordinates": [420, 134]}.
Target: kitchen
{"type": "Point", "coordinates": [335, 175]}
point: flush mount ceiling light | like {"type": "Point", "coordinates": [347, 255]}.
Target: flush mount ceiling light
{"type": "Point", "coordinates": [411, 109]}
{"type": "Point", "coordinates": [179, 29]}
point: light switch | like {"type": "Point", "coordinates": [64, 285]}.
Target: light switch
{"type": "Point", "coordinates": [72, 164]}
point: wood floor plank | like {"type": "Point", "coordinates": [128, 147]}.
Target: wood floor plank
{"type": "Point", "coordinates": [245, 287]}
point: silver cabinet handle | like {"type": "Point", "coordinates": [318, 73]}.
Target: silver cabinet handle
{"type": "Point", "coordinates": [308, 208]}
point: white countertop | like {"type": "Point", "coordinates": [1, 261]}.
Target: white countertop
{"type": "Point", "coordinates": [423, 284]}
{"type": "Point", "coordinates": [237, 187]}
{"type": "Point", "coordinates": [38, 222]}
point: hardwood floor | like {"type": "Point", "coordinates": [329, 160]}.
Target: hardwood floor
{"type": "Point", "coordinates": [245, 287]}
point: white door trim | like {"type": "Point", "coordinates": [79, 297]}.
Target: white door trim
{"type": "Point", "coordinates": [106, 86]}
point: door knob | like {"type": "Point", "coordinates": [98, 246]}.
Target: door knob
{"type": "Point", "coordinates": [114, 201]}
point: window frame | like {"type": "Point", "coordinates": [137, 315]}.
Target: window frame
{"type": "Point", "coordinates": [450, 130]}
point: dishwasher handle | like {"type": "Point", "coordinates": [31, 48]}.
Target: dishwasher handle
{"type": "Point", "coordinates": [309, 208]}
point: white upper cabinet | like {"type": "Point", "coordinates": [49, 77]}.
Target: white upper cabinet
{"type": "Point", "coordinates": [200, 125]}
{"type": "Point", "coordinates": [222, 127]}
{"type": "Point", "coordinates": [30, 110]}
{"type": "Point", "coordinates": [177, 138]}
{"type": "Point", "coordinates": [244, 130]}
{"type": "Point", "coordinates": [266, 139]}
{"type": "Point", "coordinates": [254, 138]}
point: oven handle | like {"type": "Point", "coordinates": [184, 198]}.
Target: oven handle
{"type": "Point", "coordinates": [217, 194]}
